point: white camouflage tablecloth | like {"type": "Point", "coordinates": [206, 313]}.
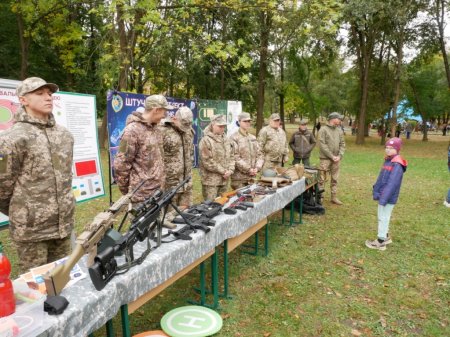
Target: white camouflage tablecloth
{"type": "Point", "coordinates": [90, 309]}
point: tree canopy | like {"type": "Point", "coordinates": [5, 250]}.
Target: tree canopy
{"type": "Point", "coordinates": [299, 58]}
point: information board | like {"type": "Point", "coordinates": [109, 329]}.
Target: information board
{"type": "Point", "coordinates": [77, 112]}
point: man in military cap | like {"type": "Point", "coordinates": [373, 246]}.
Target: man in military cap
{"type": "Point", "coordinates": [178, 143]}
{"type": "Point", "coordinates": [273, 143]}
{"type": "Point", "coordinates": [36, 178]}
{"type": "Point", "coordinates": [332, 148]}
{"type": "Point", "coordinates": [140, 156]}
{"type": "Point", "coordinates": [216, 158]}
{"type": "Point", "coordinates": [302, 143]}
{"type": "Point", "coordinates": [248, 157]}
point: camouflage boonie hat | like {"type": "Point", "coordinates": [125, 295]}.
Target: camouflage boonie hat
{"type": "Point", "coordinates": [184, 114]}
{"type": "Point", "coordinates": [219, 120]}
{"type": "Point", "coordinates": [244, 116]}
{"type": "Point", "coordinates": [274, 117]}
{"type": "Point", "coordinates": [303, 122]}
{"type": "Point", "coordinates": [157, 101]}
{"type": "Point", "coordinates": [334, 115]}
{"type": "Point", "coordinates": [31, 84]}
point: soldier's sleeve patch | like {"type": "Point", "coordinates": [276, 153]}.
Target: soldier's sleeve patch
{"type": "Point", "coordinates": [123, 146]}
{"type": "Point", "coordinates": [3, 162]}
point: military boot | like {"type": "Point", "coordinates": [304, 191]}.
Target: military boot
{"type": "Point", "coordinates": [335, 200]}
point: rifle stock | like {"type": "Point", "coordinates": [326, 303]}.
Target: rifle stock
{"type": "Point", "coordinates": [56, 279]}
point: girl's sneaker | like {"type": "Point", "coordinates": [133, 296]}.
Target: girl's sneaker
{"type": "Point", "coordinates": [376, 245]}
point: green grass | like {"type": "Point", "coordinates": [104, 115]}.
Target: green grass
{"type": "Point", "coordinates": [319, 279]}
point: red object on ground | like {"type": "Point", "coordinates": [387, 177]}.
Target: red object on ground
{"type": "Point", "coordinates": [7, 300]}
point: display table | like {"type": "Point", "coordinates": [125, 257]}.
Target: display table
{"type": "Point", "coordinates": [90, 309]}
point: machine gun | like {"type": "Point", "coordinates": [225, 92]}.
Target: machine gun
{"type": "Point", "coordinates": [146, 220]}
{"type": "Point", "coordinates": [87, 242]}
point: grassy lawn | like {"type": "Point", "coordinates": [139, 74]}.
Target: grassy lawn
{"type": "Point", "coordinates": [319, 279]}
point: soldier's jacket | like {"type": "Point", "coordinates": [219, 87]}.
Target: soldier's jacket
{"type": "Point", "coordinates": [178, 154]}
{"type": "Point", "coordinates": [216, 157]}
{"type": "Point", "coordinates": [36, 178]}
{"type": "Point", "coordinates": [247, 155]}
{"type": "Point", "coordinates": [273, 143]}
{"type": "Point", "coordinates": [140, 156]}
{"type": "Point", "coordinates": [302, 143]}
{"type": "Point", "coordinates": [331, 142]}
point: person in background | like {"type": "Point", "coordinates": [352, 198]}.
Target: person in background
{"type": "Point", "coordinates": [332, 148]}
{"type": "Point", "coordinates": [273, 143]}
{"type": "Point", "coordinates": [178, 144]}
{"type": "Point", "coordinates": [247, 154]}
{"type": "Point", "coordinates": [302, 143]}
{"type": "Point", "coordinates": [386, 191]}
{"type": "Point", "coordinates": [36, 157]}
{"type": "Point", "coordinates": [141, 154]}
{"type": "Point", "coordinates": [216, 159]}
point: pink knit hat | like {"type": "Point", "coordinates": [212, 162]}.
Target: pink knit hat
{"type": "Point", "coordinates": [395, 142]}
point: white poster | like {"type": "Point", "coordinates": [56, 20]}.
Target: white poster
{"type": "Point", "coordinates": [77, 112]}
{"type": "Point", "coordinates": [234, 108]}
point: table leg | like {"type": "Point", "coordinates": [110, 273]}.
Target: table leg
{"type": "Point", "coordinates": [126, 332]}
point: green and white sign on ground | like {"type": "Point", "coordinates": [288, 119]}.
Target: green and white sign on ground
{"type": "Point", "coordinates": [191, 321]}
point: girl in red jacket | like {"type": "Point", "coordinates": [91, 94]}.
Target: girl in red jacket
{"type": "Point", "coordinates": [386, 191]}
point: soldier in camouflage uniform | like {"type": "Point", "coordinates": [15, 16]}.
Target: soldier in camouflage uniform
{"type": "Point", "coordinates": [248, 157]}
{"type": "Point", "coordinates": [332, 148]}
{"type": "Point", "coordinates": [36, 178]}
{"type": "Point", "coordinates": [273, 143]}
{"type": "Point", "coordinates": [216, 159]}
{"type": "Point", "coordinates": [178, 140]}
{"type": "Point", "coordinates": [140, 154]}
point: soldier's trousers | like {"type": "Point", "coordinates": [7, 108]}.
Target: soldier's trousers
{"type": "Point", "coordinates": [34, 254]}
{"type": "Point", "coordinates": [212, 192]}
{"type": "Point", "coordinates": [299, 160]}
{"type": "Point", "coordinates": [268, 164]}
{"type": "Point", "coordinates": [236, 184]}
{"type": "Point", "coordinates": [331, 168]}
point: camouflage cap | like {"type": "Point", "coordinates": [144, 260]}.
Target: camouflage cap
{"type": "Point", "coordinates": [274, 117]}
{"type": "Point", "coordinates": [244, 116]}
{"type": "Point", "coordinates": [184, 114]}
{"type": "Point", "coordinates": [157, 101]}
{"type": "Point", "coordinates": [219, 120]}
{"type": "Point", "coordinates": [31, 84]}
{"type": "Point", "coordinates": [303, 122]}
{"type": "Point", "coordinates": [334, 115]}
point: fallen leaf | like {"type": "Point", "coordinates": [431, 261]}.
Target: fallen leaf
{"type": "Point", "coordinates": [267, 334]}
{"type": "Point", "coordinates": [356, 332]}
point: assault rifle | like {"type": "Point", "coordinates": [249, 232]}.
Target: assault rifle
{"type": "Point", "coordinates": [142, 227]}
{"type": "Point", "coordinates": [199, 216]}
{"type": "Point", "coordinates": [87, 242]}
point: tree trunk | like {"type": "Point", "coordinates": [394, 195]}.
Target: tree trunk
{"type": "Point", "coordinates": [398, 74]}
{"type": "Point", "coordinates": [123, 44]}
{"type": "Point", "coordinates": [282, 91]}
{"type": "Point", "coordinates": [24, 48]}
{"type": "Point", "coordinates": [440, 15]}
{"type": "Point", "coordinates": [364, 96]}
{"type": "Point", "coordinates": [265, 21]}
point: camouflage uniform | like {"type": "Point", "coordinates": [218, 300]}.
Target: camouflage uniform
{"type": "Point", "coordinates": [274, 145]}
{"type": "Point", "coordinates": [216, 157]}
{"type": "Point", "coordinates": [36, 187]}
{"type": "Point", "coordinates": [247, 155]}
{"type": "Point", "coordinates": [178, 159]}
{"type": "Point", "coordinates": [331, 143]}
{"type": "Point", "coordinates": [140, 157]}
